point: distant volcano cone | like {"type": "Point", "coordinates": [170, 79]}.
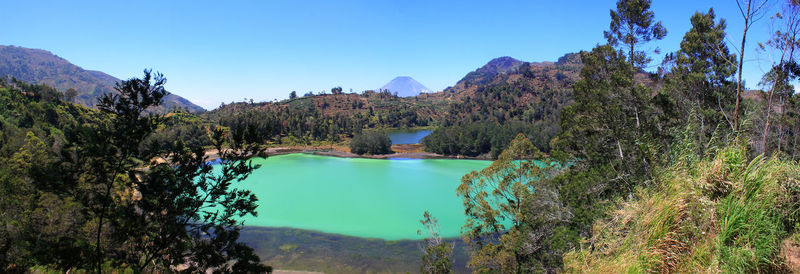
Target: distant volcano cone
{"type": "Point", "coordinates": [405, 86]}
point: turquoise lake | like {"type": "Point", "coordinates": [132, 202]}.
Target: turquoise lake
{"type": "Point", "coordinates": [369, 198]}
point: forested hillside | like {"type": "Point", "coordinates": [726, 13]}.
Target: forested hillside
{"type": "Point", "coordinates": [330, 117]}
{"type": "Point", "coordinates": [78, 85]}
{"type": "Point", "coordinates": [80, 188]}
{"type": "Point", "coordinates": [681, 172]}
{"type": "Point", "coordinates": [479, 116]}
{"type": "Point", "coordinates": [496, 102]}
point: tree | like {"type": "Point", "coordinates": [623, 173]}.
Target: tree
{"type": "Point", "coordinates": [599, 136]}
{"type": "Point", "coordinates": [632, 25]}
{"type": "Point", "coordinates": [155, 215]}
{"type": "Point", "coordinates": [38, 223]}
{"type": "Point", "coordinates": [512, 211]}
{"type": "Point", "coordinates": [438, 253]}
{"type": "Point", "coordinates": [71, 94]}
{"type": "Point", "coordinates": [751, 11]}
{"type": "Point", "coordinates": [112, 149]}
{"type": "Point", "coordinates": [601, 126]}
{"type": "Point", "coordinates": [700, 78]}
{"type": "Point", "coordinates": [371, 143]}
{"type": "Point", "coordinates": [336, 90]}
{"type": "Point", "coordinates": [785, 41]}
{"type": "Point", "coordinates": [189, 214]}
{"type": "Point", "coordinates": [293, 95]}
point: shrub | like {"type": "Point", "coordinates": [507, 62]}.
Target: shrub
{"type": "Point", "coordinates": [371, 143]}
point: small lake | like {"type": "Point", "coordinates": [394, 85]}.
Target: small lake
{"type": "Point", "coordinates": [410, 136]}
{"type": "Point", "coordinates": [369, 198]}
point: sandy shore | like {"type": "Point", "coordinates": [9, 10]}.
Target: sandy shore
{"type": "Point", "coordinates": [410, 151]}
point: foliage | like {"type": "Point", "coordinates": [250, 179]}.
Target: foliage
{"type": "Point", "coordinates": [512, 212]}
{"type": "Point", "coordinates": [325, 118]}
{"type": "Point", "coordinates": [437, 257]}
{"type": "Point", "coordinates": [479, 138]}
{"type": "Point", "coordinates": [700, 81]}
{"type": "Point", "coordinates": [80, 184]}
{"type": "Point", "coordinates": [111, 148]}
{"type": "Point", "coordinates": [41, 220]}
{"type": "Point", "coordinates": [371, 143]}
{"type": "Point", "coordinates": [189, 128]}
{"type": "Point", "coordinates": [632, 25]}
{"type": "Point", "coordinates": [526, 99]}
{"type": "Point", "coordinates": [725, 214]}
{"type": "Point", "coordinates": [613, 130]}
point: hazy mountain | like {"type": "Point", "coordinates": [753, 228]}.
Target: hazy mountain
{"type": "Point", "coordinates": [43, 67]}
{"type": "Point", "coordinates": [405, 86]}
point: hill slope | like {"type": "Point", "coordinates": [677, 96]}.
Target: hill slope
{"type": "Point", "coordinates": [486, 73]}
{"type": "Point", "coordinates": [730, 214]}
{"type": "Point", "coordinates": [43, 67]}
{"type": "Point", "coordinates": [404, 86]}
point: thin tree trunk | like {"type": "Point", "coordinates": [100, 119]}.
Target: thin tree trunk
{"type": "Point", "coordinates": [780, 124]}
{"type": "Point", "coordinates": [766, 123]}
{"type": "Point", "coordinates": [106, 201]}
{"type": "Point", "coordinates": [741, 59]}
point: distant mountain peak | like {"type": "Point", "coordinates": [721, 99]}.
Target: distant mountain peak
{"type": "Point", "coordinates": [502, 64]}
{"type": "Point", "coordinates": [405, 86]}
{"type": "Point", "coordinates": [501, 68]}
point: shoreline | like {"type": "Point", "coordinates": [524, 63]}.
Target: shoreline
{"type": "Point", "coordinates": [404, 151]}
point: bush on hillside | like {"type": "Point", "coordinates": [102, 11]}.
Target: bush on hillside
{"type": "Point", "coordinates": [371, 143]}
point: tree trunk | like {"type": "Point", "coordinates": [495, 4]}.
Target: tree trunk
{"type": "Point", "coordinates": [780, 124]}
{"type": "Point", "coordinates": [741, 59]}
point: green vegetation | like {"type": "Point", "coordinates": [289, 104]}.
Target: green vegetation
{"type": "Point", "coordinates": [371, 143]}
{"type": "Point", "coordinates": [438, 253]}
{"type": "Point", "coordinates": [485, 118]}
{"type": "Point", "coordinates": [492, 105]}
{"type": "Point", "coordinates": [330, 118]}
{"type": "Point", "coordinates": [600, 166]}
{"type": "Point", "coordinates": [728, 214]}
{"type": "Point", "coordinates": [81, 191]}
{"type": "Point", "coordinates": [659, 177]}
{"type": "Point", "coordinates": [512, 212]}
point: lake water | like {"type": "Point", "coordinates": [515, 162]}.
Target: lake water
{"type": "Point", "coordinates": [402, 137]}
{"type": "Point", "coordinates": [359, 197]}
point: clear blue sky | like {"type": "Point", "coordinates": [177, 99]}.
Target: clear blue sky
{"type": "Point", "coordinates": [223, 51]}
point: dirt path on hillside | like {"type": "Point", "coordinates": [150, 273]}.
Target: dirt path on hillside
{"type": "Point", "coordinates": [790, 251]}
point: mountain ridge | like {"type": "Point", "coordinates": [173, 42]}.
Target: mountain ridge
{"type": "Point", "coordinates": [40, 66]}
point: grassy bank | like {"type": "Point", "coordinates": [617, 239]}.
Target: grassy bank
{"type": "Point", "coordinates": [731, 214]}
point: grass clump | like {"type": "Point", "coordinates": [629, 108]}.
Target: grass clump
{"type": "Point", "coordinates": [726, 214]}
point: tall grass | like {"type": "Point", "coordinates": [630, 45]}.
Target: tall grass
{"type": "Point", "coordinates": [727, 214]}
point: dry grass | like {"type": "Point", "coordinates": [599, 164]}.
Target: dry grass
{"type": "Point", "coordinates": [728, 217]}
